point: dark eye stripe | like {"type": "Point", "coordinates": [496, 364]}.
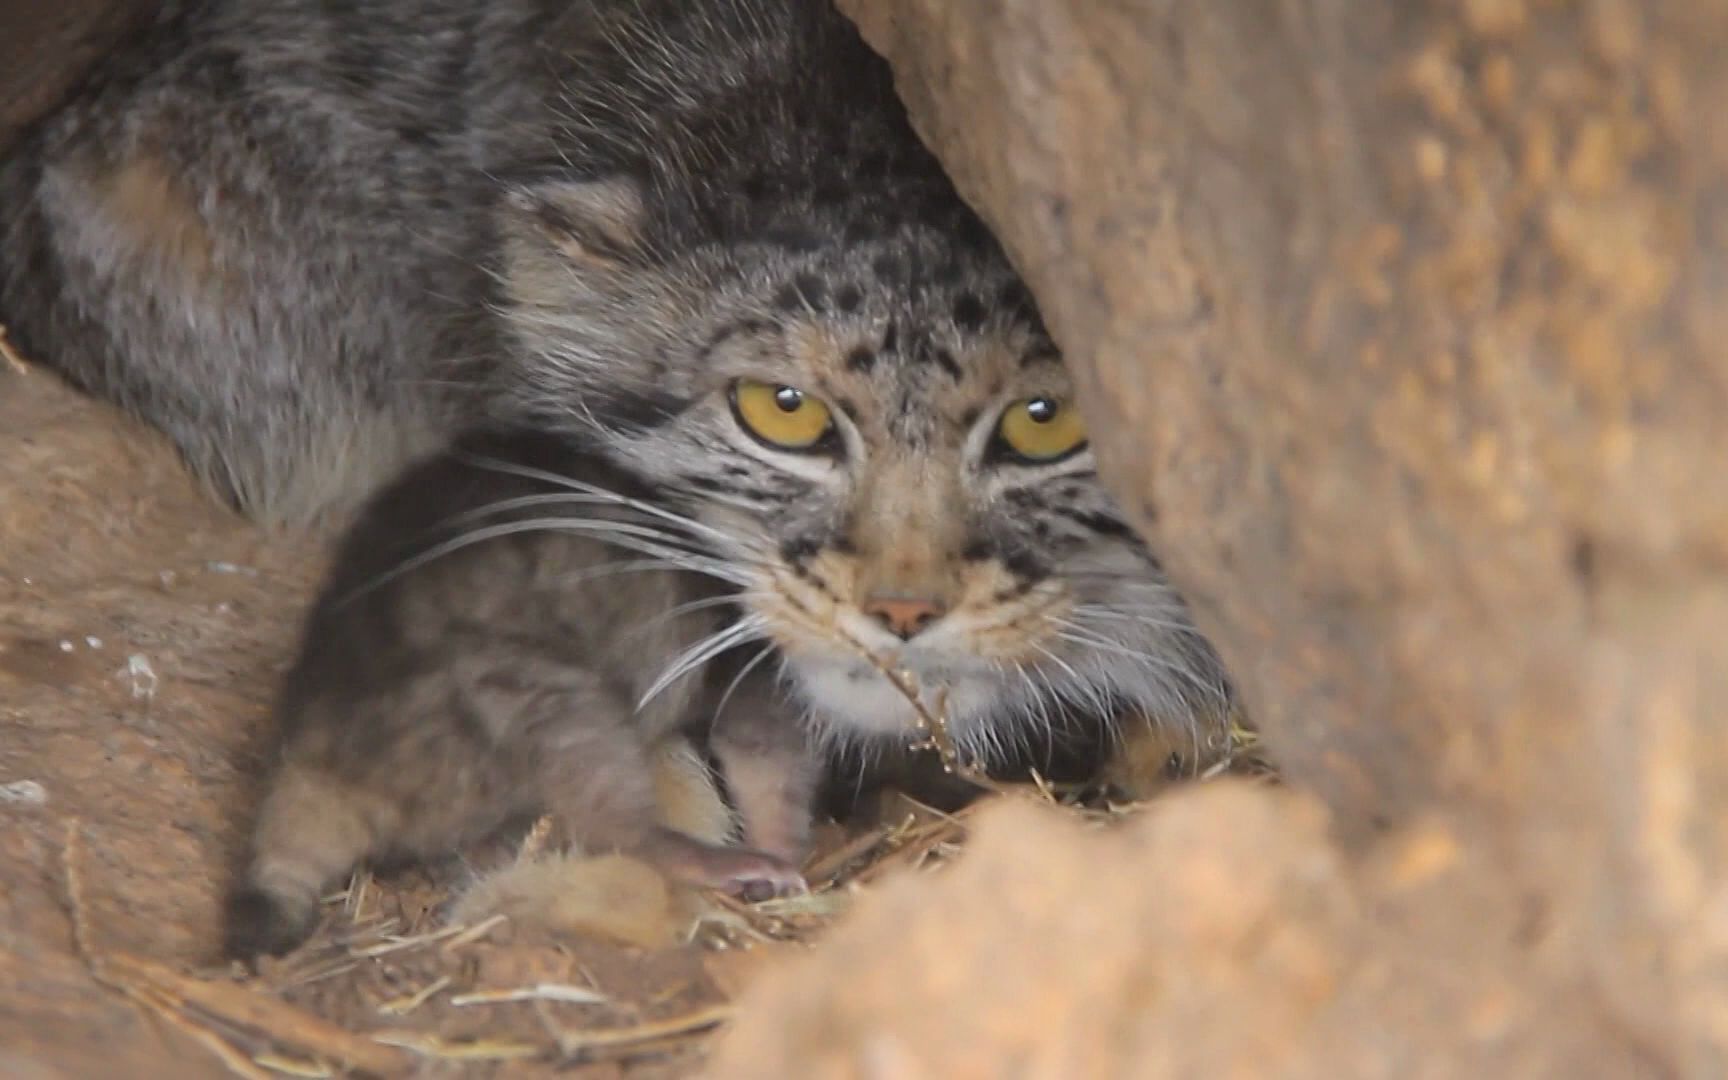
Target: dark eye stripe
{"type": "Point", "coordinates": [638, 412]}
{"type": "Point", "coordinates": [716, 485]}
{"type": "Point", "coordinates": [1095, 521]}
{"type": "Point", "coordinates": [1023, 564]}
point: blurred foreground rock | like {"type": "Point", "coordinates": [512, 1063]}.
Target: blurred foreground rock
{"type": "Point", "coordinates": [1219, 935]}
{"type": "Point", "coordinates": [1400, 326]}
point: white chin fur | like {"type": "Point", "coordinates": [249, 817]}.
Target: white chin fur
{"type": "Point", "coordinates": [852, 700]}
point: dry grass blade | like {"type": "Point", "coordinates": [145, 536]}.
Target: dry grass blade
{"type": "Point", "coordinates": [561, 992]}
{"type": "Point", "coordinates": [289, 1066]}
{"type": "Point", "coordinates": [744, 916]}
{"type": "Point", "coordinates": [276, 1020]}
{"type": "Point", "coordinates": [469, 934]}
{"type": "Point", "coordinates": [932, 723]}
{"type": "Point", "coordinates": [175, 998]}
{"type": "Point", "coordinates": [220, 1048]}
{"type": "Point", "coordinates": [728, 920]}
{"type": "Point", "coordinates": [354, 901]}
{"type": "Point", "coordinates": [402, 1006]}
{"type": "Point", "coordinates": [831, 865]}
{"type": "Point", "coordinates": [152, 1002]}
{"type": "Point", "coordinates": [316, 975]}
{"type": "Point", "coordinates": [913, 849]}
{"type": "Point", "coordinates": [397, 944]}
{"type": "Point", "coordinates": [637, 1036]}
{"type": "Point", "coordinates": [460, 1049]}
{"type": "Point", "coordinates": [534, 842]}
{"type": "Point", "coordinates": [824, 905]}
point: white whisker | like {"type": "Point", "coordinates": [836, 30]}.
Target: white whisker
{"type": "Point", "coordinates": [1079, 636]}
{"type": "Point", "coordinates": [701, 652]}
{"type": "Point", "coordinates": [1105, 614]}
{"type": "Point", "coordinates": [585, 488]}
{"type": "Point", "coordinates": [644, 541]}
{"type": "Point", "coordinates": [743, 672]}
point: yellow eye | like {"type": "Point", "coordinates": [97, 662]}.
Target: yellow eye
{"type": "Point", "coordinates": [782, 416]}
{"type": "Point", "coordinates": [1042, 429]}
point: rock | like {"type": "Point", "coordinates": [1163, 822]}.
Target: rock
{"type": "Point", "coordinates": [1221, 934]}
{"type": "Point", "coordinates": [1399, 328]}
{"type": "Point", "coordinates": [24, 792]}
{"type": "Point", "coordinates": [161, 779]}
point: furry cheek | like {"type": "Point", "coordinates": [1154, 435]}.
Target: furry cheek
{"type": "Point", "coordinates": [804, 609]}
{"type": "Point", "coordinates": [1000, 616]}
{"type": "Point", "coordinates": [996, 616]}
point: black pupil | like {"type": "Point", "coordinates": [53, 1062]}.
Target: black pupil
{"type": "Point", "coordinates": [788, 398]}
{"type": "Point", "coordinates": [1041, 410]}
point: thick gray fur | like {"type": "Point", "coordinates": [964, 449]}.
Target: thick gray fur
{"type": "Point", "coordinates": [265, 227]}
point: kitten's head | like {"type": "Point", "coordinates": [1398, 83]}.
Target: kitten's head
{"type": "Point", "coordinates": [864, 408]}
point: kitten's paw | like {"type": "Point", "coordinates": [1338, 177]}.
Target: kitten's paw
{"type": "Point", "coordinates": [741, 872]}
{"type": "Point", "coordinates": [259, 924]}
{"type": "Point", "coordinates": [768, 880]}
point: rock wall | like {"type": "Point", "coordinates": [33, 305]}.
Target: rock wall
{"type": "Point", "coordinates": [1399, 327]}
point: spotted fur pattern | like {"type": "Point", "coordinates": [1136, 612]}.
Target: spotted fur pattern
{"type": "Point", "coordinates": [825, 250]}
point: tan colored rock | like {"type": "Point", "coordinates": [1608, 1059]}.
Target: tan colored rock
{"type": "Point", "coordinates": [140, 630]}
{"type": "Point", "coordinates": [1221, 934]}
{"type": "Point", "coordinates": [1400, 327]}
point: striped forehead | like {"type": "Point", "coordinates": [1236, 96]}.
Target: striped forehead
{"type": "Point", "coordinates": [914, 383]}
{"type": "Point", "coordinates": [910, 334]}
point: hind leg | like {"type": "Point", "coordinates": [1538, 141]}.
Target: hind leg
{"type": "Point", "coordinates": [600, 790]}
{"type": "Point", "coordinates": [771, 768]}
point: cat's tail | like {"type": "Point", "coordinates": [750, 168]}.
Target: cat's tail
{"type": "Point", "coordinates": [312, 830]}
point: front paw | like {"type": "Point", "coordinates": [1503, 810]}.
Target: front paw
{"type": "Point", "coordinates": [767, 879]}
{"type": "Point", "coordinates": [750, 875]}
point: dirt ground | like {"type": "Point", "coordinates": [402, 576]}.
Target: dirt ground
{"type": "Point", "coordinates": [141, 631]}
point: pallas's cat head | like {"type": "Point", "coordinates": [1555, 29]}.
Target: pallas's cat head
{"type": "Point", "coordinates": [748, 281]}
{"type": "Point", "coordinates": [881, 445]}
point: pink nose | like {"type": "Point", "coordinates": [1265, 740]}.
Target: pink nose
{"type": "Point", "coordinates": [905, 616]}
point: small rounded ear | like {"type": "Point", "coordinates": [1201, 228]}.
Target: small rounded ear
{"type": "Point", "coordinates": [598, 222]}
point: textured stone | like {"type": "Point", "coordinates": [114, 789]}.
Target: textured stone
{"type": "Point", "coordinates": [1222, 934]}
{"type": "Point", "coordinates": [1399, 326]}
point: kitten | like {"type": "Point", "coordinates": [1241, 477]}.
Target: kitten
{"type": "Point", "coordinates": [696, 238]}
{"type": "Point", "coordinates": [508, 631]}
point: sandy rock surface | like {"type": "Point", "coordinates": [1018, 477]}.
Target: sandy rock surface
{"type": "Point", "coordinates": [141, 629]}
{"type": "Point", "coordinates": [1222, 932]}
{"type": "Point", "coordinates": [1400, 328]}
